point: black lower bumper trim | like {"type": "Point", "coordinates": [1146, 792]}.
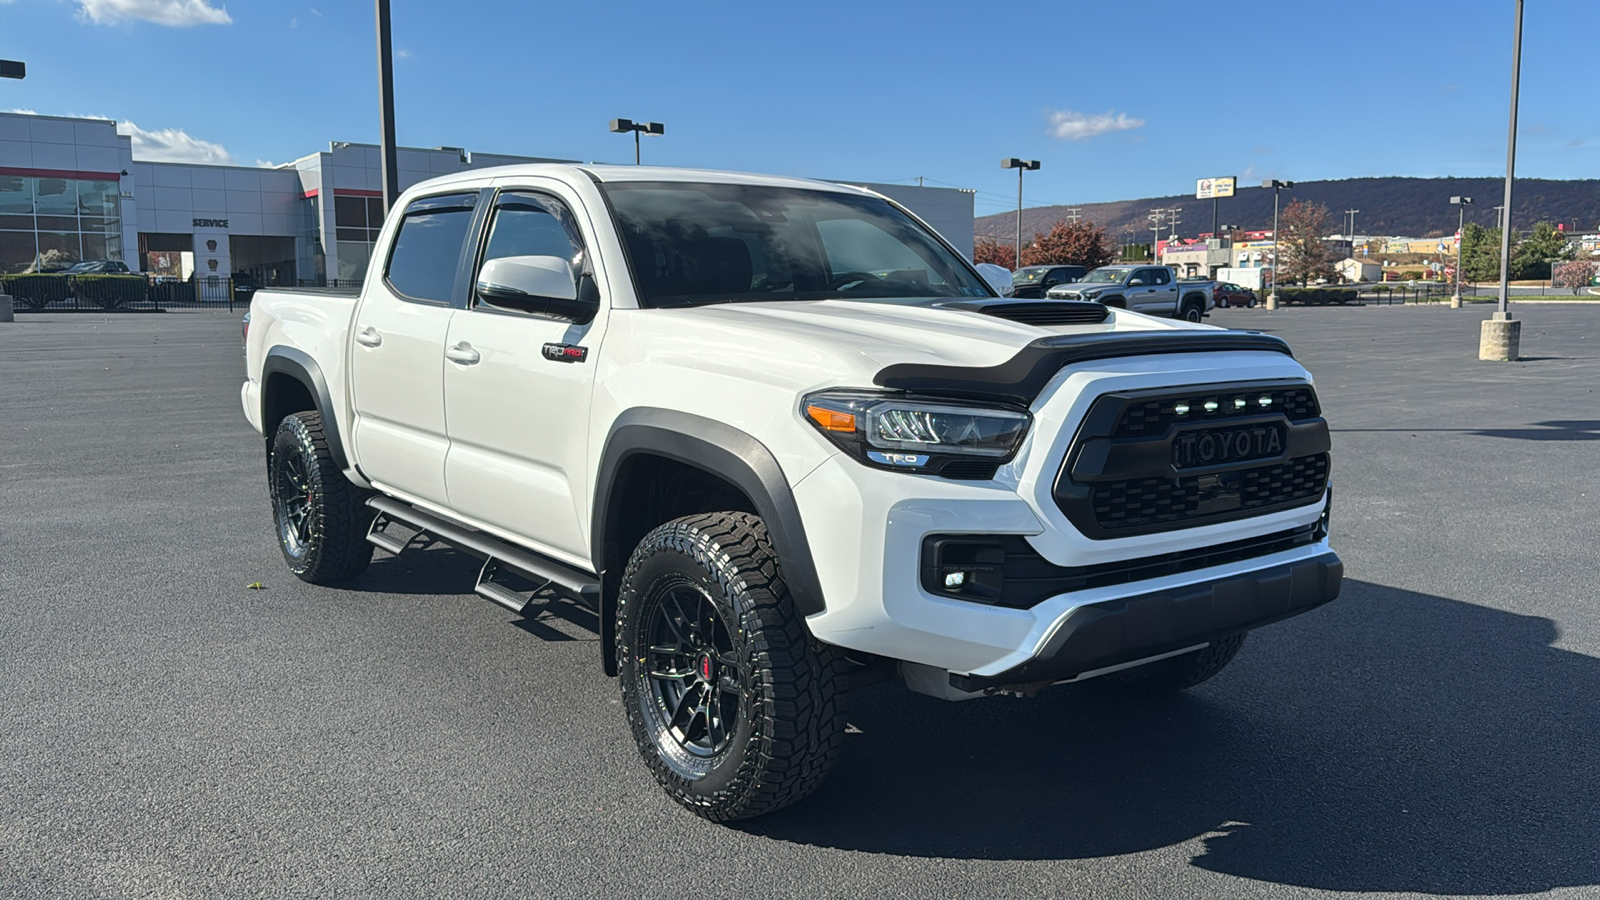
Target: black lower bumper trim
{"type": "Point", "coordinates": [1118, 631]}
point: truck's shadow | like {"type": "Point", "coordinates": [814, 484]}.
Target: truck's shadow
{"type": "Point", "coordinates": [1391, 741]}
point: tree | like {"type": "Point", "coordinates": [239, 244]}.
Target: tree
{"type": "Point", "coordinates": [989, 250]}
{"type": "Point", "coordinates": [1576, 274]}
{"type": "Point", "coordinates": [1304, 255]}
{"type": "Point", "coordinates": [1070, 244]}
{"type": "Point", "coordinates": [1480, 253]}
{"type": "Point", "coordinates": [1534, 253]}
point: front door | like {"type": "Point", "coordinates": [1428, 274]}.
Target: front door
{"type": "Point", "coordinates": [518, 414]}
{"type": "Point", "coordinates": [1157, 296]}
{"type": "Point", "coordinates": [397, 355]}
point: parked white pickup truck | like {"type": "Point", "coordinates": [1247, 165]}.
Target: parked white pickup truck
{"type": "Point", "coordinates": [1154, 290]}
{"type": "Point", "coordinates": [784, 439]}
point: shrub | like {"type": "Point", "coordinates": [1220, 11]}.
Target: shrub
{"type": "Point", "coordinates": [111, 291]}
{"type": "Point", "coordinates": [35, 291]}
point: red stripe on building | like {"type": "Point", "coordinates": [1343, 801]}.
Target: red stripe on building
{"type": "Point", "coordinates": [62, 173]}
{"type": "Point", "coordinates": [346, 192]}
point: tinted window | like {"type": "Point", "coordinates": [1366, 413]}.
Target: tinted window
{"type": "Point", "coordinates": [427, 251]}
{"type": "Point", "coordinates": [1156, 276]}
{"type": "Point", "coordinates": [532, 225]}
{"type": "Point", "coordinates": [719, 243]}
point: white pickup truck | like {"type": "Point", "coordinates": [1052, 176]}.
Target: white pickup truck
{"type": "Point", "coordinates": [783, 439]}
{"type": "Point", "coordinates": [1153, 290]}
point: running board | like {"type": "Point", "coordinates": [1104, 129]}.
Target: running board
{"type": "Point", "coordinates": [578, 584]}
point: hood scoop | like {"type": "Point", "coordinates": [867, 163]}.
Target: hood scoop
{"type": "Point", "coordinates": [1037, 312]}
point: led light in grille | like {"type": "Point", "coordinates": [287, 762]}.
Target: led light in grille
{"type": "Point", "coordinates": [1265, 400]}
{"type": "Point", "coordinates": [1238, 403]}
{"type": "Point", "coordinates": [1181, 409]}
{"type": "Point", "coordinates": [1211, 406]}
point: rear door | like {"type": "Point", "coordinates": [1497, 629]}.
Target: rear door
{"type": "Point", "coordinates": [517, 387]}
{"type": "Point", "coordinates": [397, 356]}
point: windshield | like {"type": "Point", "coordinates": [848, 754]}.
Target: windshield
{"type": "Point", "coordinates": [721, 243]}
{"type": "Point", "coordinates": [1029, 276]}
{"type": "Point", "coordinates": [78, 268]}
{"type": "Point", "coordinates": [1108, 275]}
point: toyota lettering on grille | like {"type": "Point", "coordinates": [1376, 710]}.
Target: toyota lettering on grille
{"type": "Point", "coordinates": [1220, 446]}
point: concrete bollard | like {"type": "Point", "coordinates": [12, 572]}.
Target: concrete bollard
{"type": "Point", "coordinates": [8, 312]}
{"type": "Point", "coordinates": [1272, 300]}
{"type": "Point", "coordinates": [1500, 339]}
{"type": "Point", "coordinates": [1455, 301]}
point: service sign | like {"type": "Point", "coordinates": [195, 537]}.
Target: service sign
{"type": "Point", "coordinates": [1207, 188]}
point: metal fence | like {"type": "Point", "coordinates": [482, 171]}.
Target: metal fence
{"type": "Point", "coordinates": [132, 293]}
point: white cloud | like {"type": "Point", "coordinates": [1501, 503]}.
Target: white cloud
{"type": "Point", "coordinates": [402, 53]}
{"type": "Point", "coordinates": [1077, 126]}
{"type": "Point", "coordinates": [178, 13]}
{"type": "Point", "coordinates": [173, 145]}
{"type": "Point", "coordinates": [294, 23]}
{"type": "Point", "coordinates": [19, 110]}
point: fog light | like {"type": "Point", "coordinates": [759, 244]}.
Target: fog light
{"type": "Point", "coordinates": [955, 579]}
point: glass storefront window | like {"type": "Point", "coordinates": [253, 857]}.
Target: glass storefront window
{"type": "Point", "coordinates": [353, 260]}
{"type": "Point", "coordinates": [46, 223]}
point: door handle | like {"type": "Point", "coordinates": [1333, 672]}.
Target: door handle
{"type": "Point", "coordinates": [369, 337]}
{"type": "Point", "coordinates": [462, 353]}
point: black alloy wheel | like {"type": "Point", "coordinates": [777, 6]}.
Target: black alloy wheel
{"type": "Point", "coordinates": [734, 707]}
{"type": "Point", "coordinates": [694, 677]}
{"type": "Point", "coordinates": [318, 514]}
{"type": "Point", "coordinates": [1193, 312]}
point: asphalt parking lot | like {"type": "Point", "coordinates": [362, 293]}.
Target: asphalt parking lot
{"type": "Point", "coordinates": [166, 731]}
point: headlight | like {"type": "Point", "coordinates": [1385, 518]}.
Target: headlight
{"type": "Point", "coordinates": [920, 436]}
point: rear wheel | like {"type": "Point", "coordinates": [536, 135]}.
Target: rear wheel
{"type": "Point", "coordinates": [1180, 672]}
{"type": "Point", "coordinates": [1192, 311]}
{"type": "Point", "coordinates": [736, 710]}
{"type": "Point", "coordinates": [320, 518]}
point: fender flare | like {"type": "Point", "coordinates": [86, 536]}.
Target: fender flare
{"type": "Point", "coordinates": [297, 364]}
{"type": "Point", "coordinates": [729, 454]}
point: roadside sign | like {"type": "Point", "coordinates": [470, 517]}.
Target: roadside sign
{"type": "Point", "coordinates": [1211, 188]}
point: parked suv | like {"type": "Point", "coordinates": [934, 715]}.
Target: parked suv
{"type": "Point", "coordinates": [1030, 282]}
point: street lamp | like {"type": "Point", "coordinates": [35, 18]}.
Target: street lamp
{"type": "Point", "coordinates": [1461, 224]}
{"type": "Point", "coordinates": [1021, 165]}
{"type": "Point", "coordinates": [1276, 185]}
{"type": "Point", "coordinates": [622, 126]}
{"type": "Point", "coordinates": [11, 68]}
{"type": "Point", "coordinates": [1501, 335]}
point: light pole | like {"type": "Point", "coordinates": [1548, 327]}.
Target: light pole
{"type": "Point", "coordinates": [390, 163]}
{"type": "Point", "coordinates": [622, 126]}
{"type": "Point", "coordinates": [1276, 185]}
{"type": "Point", "coordinates": [1461, 223]}
{"type": "Point", "coordinates": [1021, 165]}
{"type": "Point", "coordinates": [1501, 335]}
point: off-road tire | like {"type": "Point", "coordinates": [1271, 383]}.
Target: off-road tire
{"type": "Point", "coordinates": [1192, 311]}
{"type": "Point", "coordinates": [330, 543]}
{"type": "Point", "coordinates": [789, 724]}
{"type": "Point", "coordinates": [1179, 672]}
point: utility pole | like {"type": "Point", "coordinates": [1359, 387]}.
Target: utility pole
{"type": "Point", "coordinates": [390, 161]}
{"type": "Point", "coordinates": [1155, 217]}
{"type": "Point", "coordinates": [1073, 215]}
{"type": "Point", "coordinates": [1352, 214]}
{"type": "Point", "coordinates": [1021, 165]}
{"type": "Point", "coordinates": [1501, 335]}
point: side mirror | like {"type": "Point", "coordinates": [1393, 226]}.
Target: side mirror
{"type": "Point", "coordinates": [538, 284]}
{"type": "Point", "coordinates": [998, 277]}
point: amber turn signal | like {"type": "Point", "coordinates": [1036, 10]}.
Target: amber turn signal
{"type": "Point", "coordinates": [831, 420]}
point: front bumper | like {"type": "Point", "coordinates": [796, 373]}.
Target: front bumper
{"type": "Point", "coordinates": [1103, 635]}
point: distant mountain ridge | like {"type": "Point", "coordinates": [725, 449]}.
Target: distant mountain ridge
{"type": "Point", "coordinates": [1412, 207]}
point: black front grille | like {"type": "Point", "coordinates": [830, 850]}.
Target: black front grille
{"type": "Point", "coordinates": [1157, 501]}
{"type": "Point", "coordinates": [1151, 417]}
{"type": "Point", "coordinates": [1059, 312]}
{"type": "Point", "coordinates": [1123, 476]}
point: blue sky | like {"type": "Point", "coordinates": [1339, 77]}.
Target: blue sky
{"type": "Point", "coordinates": [1117, 100]}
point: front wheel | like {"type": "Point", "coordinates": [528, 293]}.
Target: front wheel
{"type": "Point", "coordinates": [735, 708]}
{"type": "Point", "coordinates": [322, 529]}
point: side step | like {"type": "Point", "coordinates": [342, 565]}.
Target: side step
{"type": "Point", "coordinates": [578, 584]}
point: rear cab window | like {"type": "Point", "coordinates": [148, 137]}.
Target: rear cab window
{"type": "Point", "coordinates": [425, 260]}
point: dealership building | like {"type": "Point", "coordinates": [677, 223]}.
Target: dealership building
{"type": "Point", "coordinates": [71, 190]}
